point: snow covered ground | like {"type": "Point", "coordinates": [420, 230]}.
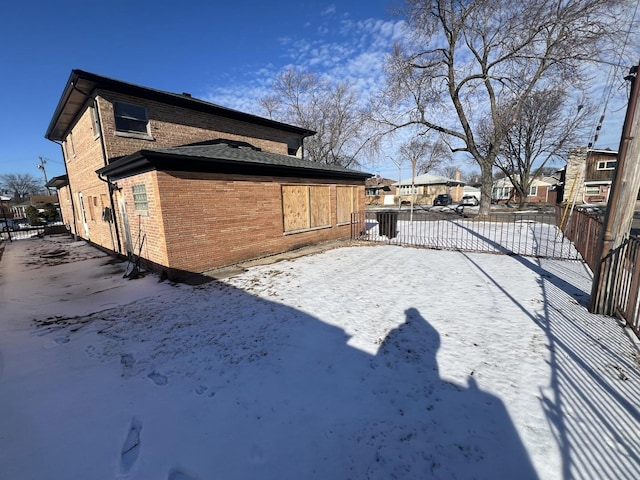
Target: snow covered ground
{"type": "Point", "coordinates": [361, 362]}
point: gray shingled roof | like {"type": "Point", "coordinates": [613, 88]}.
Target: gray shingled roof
{"type": "Point", "coordinates": [226, 152]}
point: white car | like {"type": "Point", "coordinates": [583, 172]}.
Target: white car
{"type": "Point", "coordinates": [469, 201]}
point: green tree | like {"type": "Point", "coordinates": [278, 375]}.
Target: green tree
{"type": "Point", "coordinates": [50, 213]}
{"type": "Point", "coordinates": [33, 215]}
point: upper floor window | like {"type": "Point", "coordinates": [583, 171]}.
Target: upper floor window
{"type": "Point", "coordinates": [294, 147]}
{"type": "Point", "coordinates": [606, 165]}
{"type": "Point", "coordinates": [72, 145]}
{"type": "Point", "coordinates": [131, 118]}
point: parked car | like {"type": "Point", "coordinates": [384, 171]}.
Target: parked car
{"type": "Point", "coordinates": [469, 201]}
{"type": "Point", "coordinates": [443, 199]}
{"type": "Point", "coordinates": [7, 225]}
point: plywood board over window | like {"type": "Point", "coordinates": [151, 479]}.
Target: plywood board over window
{"type": "Point", "coordinates": [320, 206]}
{"type": "Point", "coordinates": [346, 204]}
{"type": "Point", "coordinates": [306, 207]}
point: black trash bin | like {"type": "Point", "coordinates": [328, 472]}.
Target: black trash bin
{"type": "Point", "coordinates": [387, 223]}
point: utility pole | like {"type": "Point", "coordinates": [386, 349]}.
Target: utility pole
{"type": "Point", "coordinates": [44, 172]}
{"type": "Point", "coordinates": [620, 207]}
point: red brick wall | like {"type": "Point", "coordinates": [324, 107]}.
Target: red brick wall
{"type": "Point", "coordinates": [211, 220]}
{"type": "Point", "coordinates": [171, 126]}
{"type": "Point", "coordinates": [81, 170]}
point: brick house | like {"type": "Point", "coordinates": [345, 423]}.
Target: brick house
{"type": "Point", "coordinates": [190, 185]}
{"type": "Point", "coordinates": [377, 190]}
{"type": "Point", "coordinates": [588, 175]}
{"type": "Point", "coordinates": [423, 189]}
{"type": "Point", "coordinates": [541, 190]}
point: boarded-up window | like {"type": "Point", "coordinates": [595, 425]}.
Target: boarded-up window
{"type": "Point", "coordinates": [91, 209]}
{"type": "Point", "coordinates": [346, 204]}
{"type": "Point", "coordinates": [305, 207]}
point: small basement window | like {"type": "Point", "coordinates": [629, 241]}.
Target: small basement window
{"type": "Point", "coordinates": [131, 118]}
{"type": "Point", "coordinates": [140, 198]}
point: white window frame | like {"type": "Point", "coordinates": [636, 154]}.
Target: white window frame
{"type": "Point", "coordinates": [606, 164]}
{"type": "Point", "coordinates": [500, 193]}
{"type": "Point", "coordinates": [533, 191]}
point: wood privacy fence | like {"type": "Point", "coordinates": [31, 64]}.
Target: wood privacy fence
{"type": "Point", "coordinates": [584, 229]}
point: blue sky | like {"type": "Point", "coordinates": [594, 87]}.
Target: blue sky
{"type": "Point", "coordinates": [224, 52]}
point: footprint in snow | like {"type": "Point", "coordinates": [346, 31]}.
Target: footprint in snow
{"type": "Point", "coordinates": [179, 475]}
{"type": "Point", "coordinates": [158, 378]}
{"type": "Point", "coordinates": [131, 446]}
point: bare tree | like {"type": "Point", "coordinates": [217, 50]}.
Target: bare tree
{"type": "Point", "coordinates": [330, 109]}
{"type": "Point", "coordinates": [20, 185]}
{"type": "Point", "coordinates": [424, 155]}
{"type": "Point", "coordinates": [462, 61]}
{"type": "Point", "coordinates": [448, 171]}
{"type": "Point", "coordinates": [543, 131]}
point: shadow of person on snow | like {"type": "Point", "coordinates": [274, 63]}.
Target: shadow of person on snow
{"type": "Point", "coordinates": [461, 432]}
{"type": "Point", "coordinates": [357, 415]}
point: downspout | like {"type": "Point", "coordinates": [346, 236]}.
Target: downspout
{"type": "Point", "coordinates": [113, 214]}
{"type": "Point", "coordinates": [109, 184]}
{"type": "Point", "coordinates": [73, 204]}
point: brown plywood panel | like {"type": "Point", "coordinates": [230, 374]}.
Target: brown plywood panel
{"type": "Point", "coordinates": [295, 207]}
{"type": "Point", "coordinates": [320, 206]}
{"type": "Point", "coordinates": [345, 198]}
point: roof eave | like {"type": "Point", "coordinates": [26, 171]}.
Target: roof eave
{"type": "Point", "coordinates": [145, 160]}
{"type": "Point", "coordinates": [83, 84]}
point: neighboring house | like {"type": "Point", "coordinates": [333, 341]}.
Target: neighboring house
{"type": "Point", "coordinates": [36, 201]}
{"type": "Point", "coordinates": [188, 185]}
{"type": "Point", "coordinates": [5, 211]}
{"type": "Point", "coordinates": [588, 175]}
{"type": "Point", "coordinates": [376, 189]}
{"type": "Point", "coordinates": [541, 190]}
{"type": "Point", "coordinates": [423, 189]}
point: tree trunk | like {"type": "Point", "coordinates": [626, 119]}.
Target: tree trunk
{"type": "Point", "coordinates": [486, 176]}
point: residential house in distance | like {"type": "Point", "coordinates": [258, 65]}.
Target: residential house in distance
{"type": "Point", "coordinates": [188, 185]}
{"type": "Point", "coordinates": [36, 201]}
{"type": "Point", "coordinates": [542, 190]}
{"type": "Point", "coordinates": [423, 189]}
{"type": "Point", "coordinates": [588, 175]}
{"type": "Point", "coordinates": [378, 191]}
